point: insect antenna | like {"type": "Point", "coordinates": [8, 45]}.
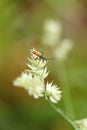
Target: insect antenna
{"type": "Point", "coordinates": [53, 58]}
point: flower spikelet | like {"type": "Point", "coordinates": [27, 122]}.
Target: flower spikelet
{"type": "Point", "coordinates": [37, 67]}
{"type": "Point", "coordinates": [31, 83]}
{"type": "Point", "coordinates": [53, 92]}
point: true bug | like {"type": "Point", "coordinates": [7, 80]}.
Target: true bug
{"type": "Point", "coordinates": [38, 54]}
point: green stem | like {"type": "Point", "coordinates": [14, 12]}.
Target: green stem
{"type": "Point", "coordinates": [59, 111]}
{"type": "Point", "coordinates": [66, 91]}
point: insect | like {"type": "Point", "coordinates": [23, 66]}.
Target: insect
{"type": "Point", "coordinates": [38, 54]}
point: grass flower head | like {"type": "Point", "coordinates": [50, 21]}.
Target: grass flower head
{"type": "Point", "coordinates": [62, 51]}
{"type": "Point", "coordinates": [52, 31]}
{"type": "Point", "coordinates": [33, 80]}
{"type": "Point", "coordinates": [81, 124]}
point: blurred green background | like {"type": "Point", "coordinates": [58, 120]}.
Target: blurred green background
{"type": "Point", "coordinates": [21, 28]}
